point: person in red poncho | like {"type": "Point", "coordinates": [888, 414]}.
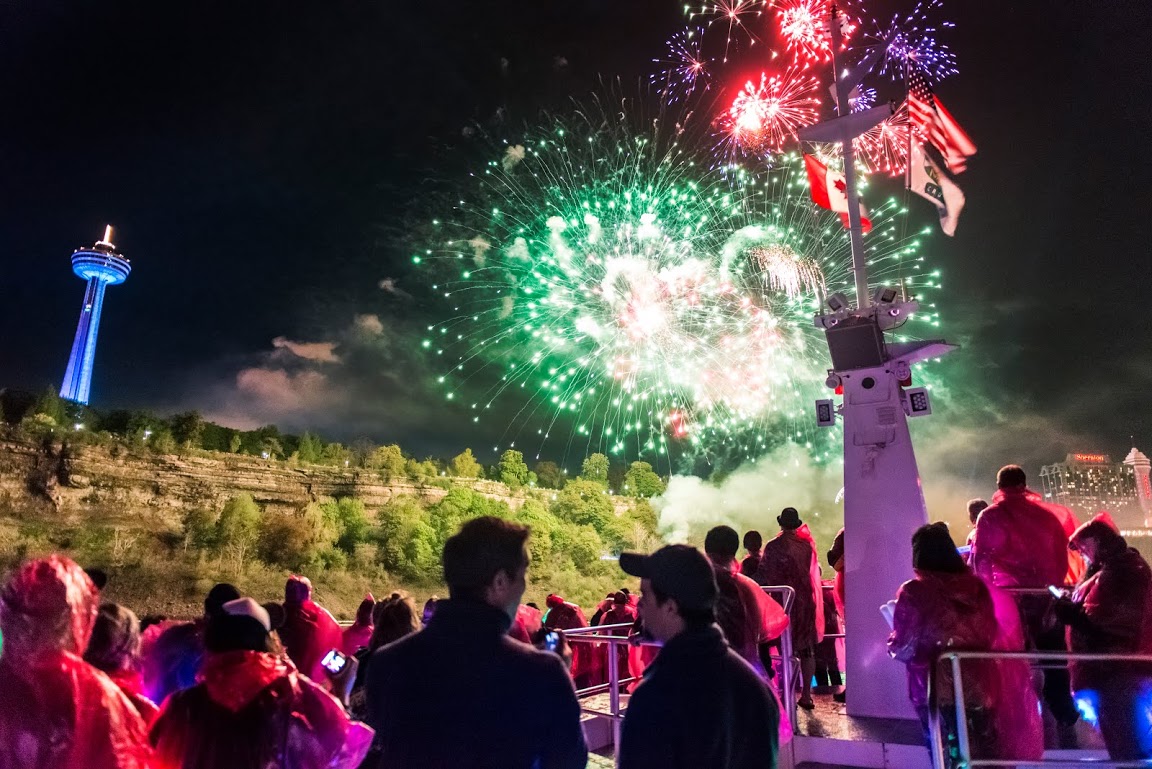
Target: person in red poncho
{"type": "Point", "coordinates": [114, 649]}
{"type": "Point", "coordinates": [56, 710]}
{"type": "Point", "coordinates": [1110, 612]}
{"type": "Point", "coordinates": [252, 709]}
{"type": "Point", "coordinates": [790, 559]}
{"type": "Point", "coordinates": [309, 631]}
{"type": "Point", "coordinates": [946, 606]}
{"type": "Point", "coordinates": [357, 635]}
{"type": "Point", "coordinates": [587, 667]}
{"type": "Point", "coordinates": [1022, 542]}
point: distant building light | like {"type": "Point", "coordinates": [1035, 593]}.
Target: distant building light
{"type": "Point", "coordinates": [77, 427]}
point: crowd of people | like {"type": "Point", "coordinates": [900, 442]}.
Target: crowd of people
{"type": "Point", "coordinates": [481, 679]}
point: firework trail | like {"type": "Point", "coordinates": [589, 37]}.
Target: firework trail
{"type": "Point", "coordinates": [741, 16]}
{"type": "Point", "coordinates": [610, 290]}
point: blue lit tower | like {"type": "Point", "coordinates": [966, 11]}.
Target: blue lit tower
{"type": "Point", "coordinates": [101, 266]}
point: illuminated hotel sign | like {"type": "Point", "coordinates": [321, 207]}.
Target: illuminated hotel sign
{"type": "Point", "coordinates": [1089, 459]}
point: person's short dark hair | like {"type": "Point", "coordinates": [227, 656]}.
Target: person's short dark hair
{"type": "Point", "coordinates": [1010, 477]}
{"type": "Point", "coordinates": [789, 519]}
{"type": "Point", "coordinates": [219, 595]}
{"type": "Point", "coordinates": [934, 550]}
{"type": "Point", "coordinates": [276, 614]}
{"type": "Point", "coordinates": [722, 541]}
{"type": "Point", "coordinates": [115, 641]}
{"type": "Point", "coordinates": [99, 577]}
{"type": "Point", "coordinates": [975, 507]}
{"type": "Point", "coordinates": [483, 548]}
{"type": "Point", "coordinates": [753, 541]}
{"type": "Point", "coordinates": [532, 604]}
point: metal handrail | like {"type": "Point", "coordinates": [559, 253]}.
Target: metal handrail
{"type": "Point", "coordinates": [788, 664]}
{"type": "Point", "coordinates": [787, 668]}
{"type": "Point", "coordinates": [1040, 658]}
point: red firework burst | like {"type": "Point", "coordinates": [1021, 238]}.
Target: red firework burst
{"type": "Point", "coordinates": [763, 117]}
{"type": "Point", "coordinates": [804, 27]}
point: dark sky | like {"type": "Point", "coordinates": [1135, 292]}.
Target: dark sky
{"type": "Point", "coordinates": [259, 158]}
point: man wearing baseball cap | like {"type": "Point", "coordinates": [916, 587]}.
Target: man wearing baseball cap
{"type": "Point", "coordinates": [700, 706]}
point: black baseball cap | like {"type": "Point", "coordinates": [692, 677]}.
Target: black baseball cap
{"type": "Point", "coordinates": [678, 571]}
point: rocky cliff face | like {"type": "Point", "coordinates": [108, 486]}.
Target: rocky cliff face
{"type": "Point", "coordinates": [80, 481]}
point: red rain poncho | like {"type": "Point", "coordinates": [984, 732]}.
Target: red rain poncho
{"type": "Point", "coordinates": [56, 710]}
{"type": "Point", "coordinates": [357, 635]}
{"type": "Point", "coordinates": [587, 665]}
{"type": "Point", "coordinates": [1020, 542]}
{"type": "Point", "coordinates": [790, 559]}
{"type": "Point", "coordinates": [253, 711]}
{"type": "Point", "coordinates": [526, 625]}
{"type": "Point", "coordinates": [309, 631]}
{"type": "Point", "coordinates": [937, 611]}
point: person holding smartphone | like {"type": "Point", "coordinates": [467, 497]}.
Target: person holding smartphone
{"type": "Point", "coordinates": [1110, 612]}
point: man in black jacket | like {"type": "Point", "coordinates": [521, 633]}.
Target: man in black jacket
{"type": "Point", "coordinates": [462, 694]}
{"type": "Point", "coordinates": [700, 706]}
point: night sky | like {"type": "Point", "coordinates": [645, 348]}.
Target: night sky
{"type": "Point", "coordinates": [262, 160]}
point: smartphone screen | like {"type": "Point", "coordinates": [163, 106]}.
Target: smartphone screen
{"type": "Point", "coordinates": [551, 641]}
{"type": "Point", "coordinates": [334, 661]}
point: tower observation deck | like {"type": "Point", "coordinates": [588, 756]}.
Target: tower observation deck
{"type": "Point", "coordinates": [101, 266]}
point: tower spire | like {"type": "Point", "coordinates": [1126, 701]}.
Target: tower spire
{"type": "Point", "coordinates": [101, 266]}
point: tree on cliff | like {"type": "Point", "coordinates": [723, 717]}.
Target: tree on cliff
{"type": "Point", "coordinates": [389, 460]}
{"type": "Point", "coordinates": [199, 528]}
{"type": "Point", "coordinates": [512, 471]}
{"type": "Point", "coordinates": [187, 429]}
{"type": "Point", "coordinates": [50, 405]}
{"type": "Point", "coordinates": [310, 449]}
{"type": "Point", "coordinates": [238, 527]}
{"type": "Point", "coordinates": [595, 469]}
{"type": "Point", "coordinates": [549, 475]}
{"type": "Point", "coordinates": [642, 481]}
{"type": "Point", "coordinates": [465, 465]}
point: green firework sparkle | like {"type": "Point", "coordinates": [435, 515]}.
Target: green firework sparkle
{"type": "Point", "coordinates": [604, 288]}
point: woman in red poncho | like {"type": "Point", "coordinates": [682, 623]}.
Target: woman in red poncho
{"type": "Point", "coordinates": [357, 635]}
{"type": "Point", "coordinates": [309, 631]}
{"type": "Point", "coordinates": [56, 710]}
{"type": "Point", "coordinates": [114, 649]}
{"type": "Point", "coordinates": [945, 607]}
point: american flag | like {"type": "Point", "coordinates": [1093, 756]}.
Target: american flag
{"type": "Point", "coordinates": [935, 124]}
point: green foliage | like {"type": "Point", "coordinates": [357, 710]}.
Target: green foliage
{"type": "Point", "coordinates": [310, 449]}
{"type": "Point", "coordinates": [464, 465]}
{"type": "Point", "coordinates": [595, 469]}
{"type": "Point", "coordinates": [187, 429]}
{"type": "Point", "coordinates": [642, 481]}
{"type": "Point", "coordinates": [50, 405]}
{"type": "Point", "coordinates": [162, 442]}
{"type": "Point", "coordinates": [286, 540]}
{"type": "Point", "coordinates": [511, 470]}
{"type": "Point", "coordinates": [549, 475]}
{"type": "Point", "coordinates": [199, 528]}
{"type": "Point", "coordinates": [421, 471]}
{"type": "Point", "coordinates": [335, 454]}
{"type": "Point", "coordinates": [348, 521]}
{"type": "Point", "coordinates": [235, 443]}
{"type": "Point", "coordinates": [389, 460]}
{"type": "Point", "coordinates": [238, 527]}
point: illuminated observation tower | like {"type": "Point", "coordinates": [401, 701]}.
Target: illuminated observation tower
{"type": "Point", "coordinates": [101, 266]}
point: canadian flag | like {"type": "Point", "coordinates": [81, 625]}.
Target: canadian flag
{"type": "Point", "coordinates": [829, 191]}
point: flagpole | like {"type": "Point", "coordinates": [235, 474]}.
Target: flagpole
{"type": "Point", "coordinates": [855, 228]}
{"type": "Point", "coordinates": [908, 165]}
